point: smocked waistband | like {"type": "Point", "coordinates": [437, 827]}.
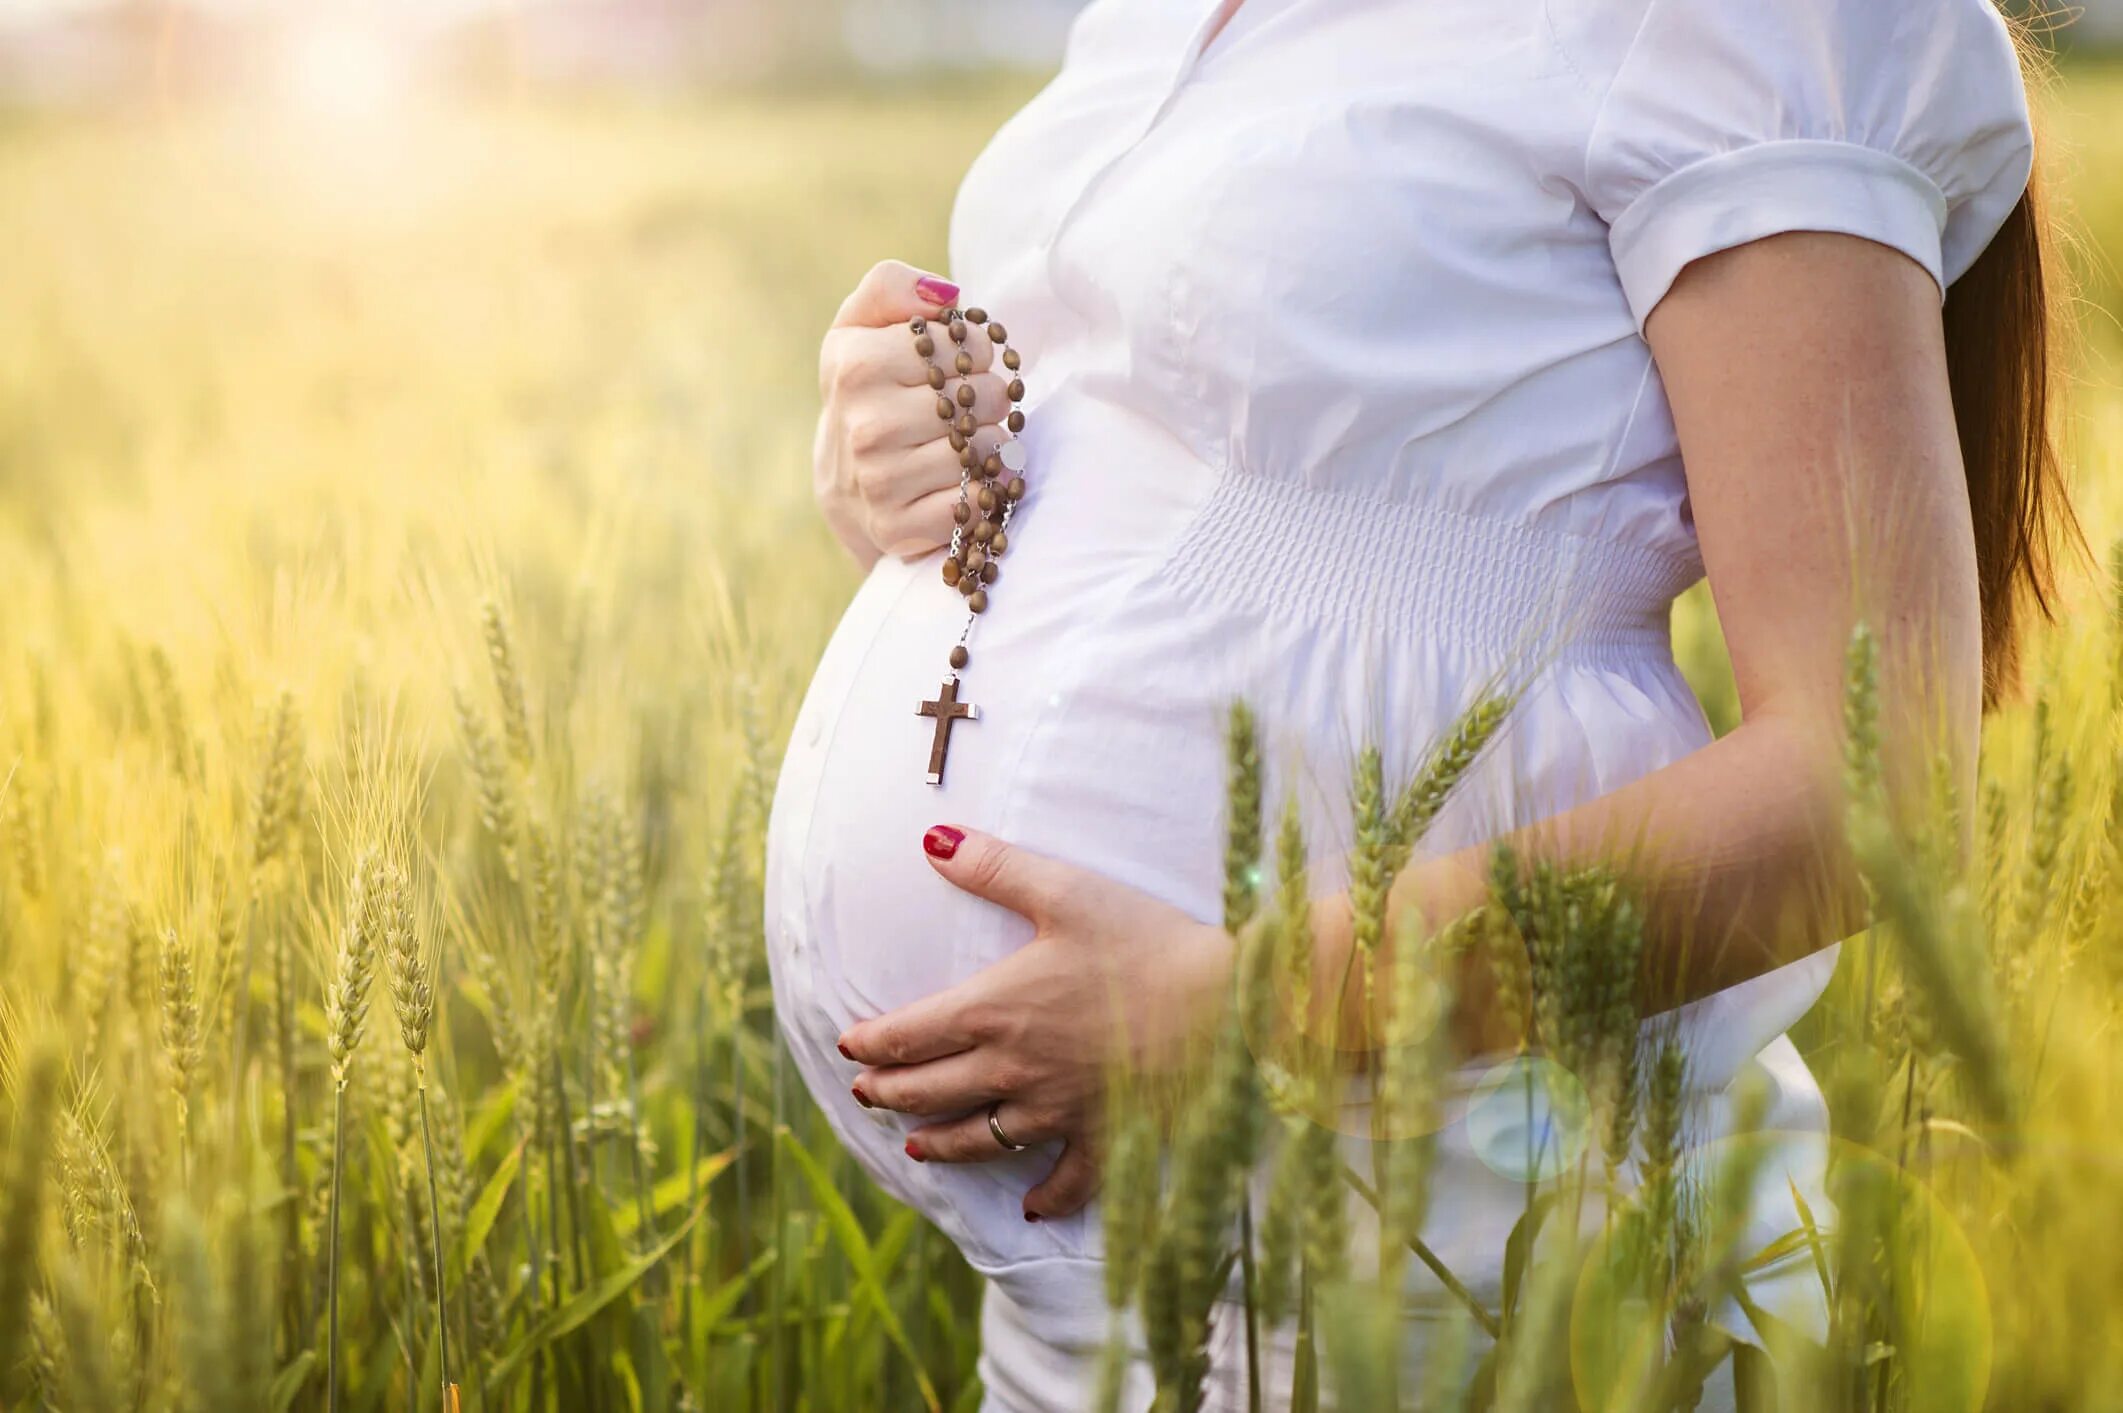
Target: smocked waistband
{"type": "Point", "coordinates": [1401, 568]}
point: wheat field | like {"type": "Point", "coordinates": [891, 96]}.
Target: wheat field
{"type": "Point", "coordinates": [407, 572]}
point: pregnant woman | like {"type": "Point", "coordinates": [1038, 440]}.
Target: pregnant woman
{"type": "Point", "coordinates": [1377, 353]}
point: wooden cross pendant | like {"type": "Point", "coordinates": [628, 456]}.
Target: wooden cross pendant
{"type": "Point", "coordinates": [947, 708]}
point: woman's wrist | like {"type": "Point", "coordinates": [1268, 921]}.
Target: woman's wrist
{"type": "Point", "coordinates": [1443, 890]}
{"type": "Point", "coordinates": [1427, 898]}
{"type": "Point", "coordinates": [1204, 981]}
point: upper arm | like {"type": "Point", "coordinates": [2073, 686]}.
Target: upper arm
{"type": "Point", "coordinates": [1789, 187]}
{"type": "Point", "coordinates": [1807, 378]}
{"type": "Point", "coordinates": [1722, 122]}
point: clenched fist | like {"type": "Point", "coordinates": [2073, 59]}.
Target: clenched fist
{"type": "Point", "coordinates": [883, 469]}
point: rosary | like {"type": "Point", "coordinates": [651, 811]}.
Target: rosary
{"type": "Point", "coordinates": [989, 488]}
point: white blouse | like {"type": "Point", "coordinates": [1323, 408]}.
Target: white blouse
{"type": "Point", "coordinates": [1338, 402]}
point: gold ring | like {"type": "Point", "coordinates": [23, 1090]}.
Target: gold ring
{"type": "Point", "coordinates": [995, 1127]}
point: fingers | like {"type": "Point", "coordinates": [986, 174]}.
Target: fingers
{"type": "Point", "coordinates": [896, 345]}
{"type": "Point", "coordinates": [1064, 1191]}
{"type": "Point", "coordinates": [950, 1085]}
{"type": "Point", "coordinates": [911, 498]}
{"type": "Point", "coordinates": [969, 1139]}
{"type": "Point", "coordinates": [928, 1029]}
{"type": "Point", "coordinates": [859, 358]}
{"type": "Point", "coordinates": [933, 413]}
{"type": "Point", "coordinates": [915, 530]}
{"type": "Point", "coordinates": [892, 293]}
{"type": "Point", "coordinates": [991, 401]}
{"type": "Point", "coordinates": [1031, 885]}
{"type": "Point", "coordinates": [884, 420]}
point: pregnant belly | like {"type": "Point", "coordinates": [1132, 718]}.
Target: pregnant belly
{"type": "Point", "coordinates": [1097, 738]}
{"type": "Point", "coordinates": [1065, 757]}
{"type": "Point", "coordinates": [1076, 753]}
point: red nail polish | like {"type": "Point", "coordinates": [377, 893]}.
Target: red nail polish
{"type": "Point", "coordinates": [936, 290]}
{"type": "Point", "coordinates": [845, 1052]}
{"type": "Point", "coordinates": [860, 1097]}
{"type": "Point", "coordinates": [942, 841]}
{"type": "Point", "coordinates": [1031, 1216]}
{"type": "Point", "coordinates": [915, 1153]}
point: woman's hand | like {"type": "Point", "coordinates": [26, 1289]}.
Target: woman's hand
{"type": "Point", "coordinates": [1112, 976]}
{"type": "Point", "coordinates": [883, 468]}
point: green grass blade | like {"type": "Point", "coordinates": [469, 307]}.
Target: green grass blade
{"type": "Point", "coordinates": [291, 1380]}
{"type": "Point", "coordinates": [585, 1305]}
{"type": "Point", "coordinates": [857, 1248]}
{"type": "Point", "coordinates": [673, 1192]}
{"type": "Point", "coordinates": [480, 1220]}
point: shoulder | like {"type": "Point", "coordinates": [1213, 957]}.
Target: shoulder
{"type": "Point", "coordinates": [1703, 43]}
{"type": "Point", "coordinates": [1715, 122]}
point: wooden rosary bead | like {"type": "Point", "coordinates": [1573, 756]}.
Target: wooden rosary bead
{"type": "Point", "coordinates": [993, 484]}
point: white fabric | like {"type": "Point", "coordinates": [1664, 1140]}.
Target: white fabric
{"type": "Point", "coordinates": [1022, 1372]}
{"type": "Point", "coordinates": [1339, 404]}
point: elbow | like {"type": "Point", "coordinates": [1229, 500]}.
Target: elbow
{"type": "Point", "coordinates": [1904, 754]}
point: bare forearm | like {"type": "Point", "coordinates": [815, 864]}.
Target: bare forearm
{"type": "Point", "coordinates": [1734, 852]}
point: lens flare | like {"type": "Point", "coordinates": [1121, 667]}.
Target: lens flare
{"type": "Point", "coordinates": [1528, 1119]}
{"type": "Point", "coordinates": [344, 72]}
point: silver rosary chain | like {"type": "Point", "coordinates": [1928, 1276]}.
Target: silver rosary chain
{"type": "Point", "coordinates": [965, 482]}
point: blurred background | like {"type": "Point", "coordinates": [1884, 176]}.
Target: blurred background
{"type": "Point", "coordinates": [71, 53]}
{"type": "Point", "coordinates": [410, 351]}
{"type": "Point", "coordinates": [76, 53]}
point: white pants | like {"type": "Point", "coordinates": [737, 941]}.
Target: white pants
{"type": "Point", "coordinates": [1022, 1372]}
{"type": "Point", "coordinates": [1027, 1366]}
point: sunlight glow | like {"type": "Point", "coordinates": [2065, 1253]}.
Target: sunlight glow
{"type": "Point", "coordinates": [344, 72]}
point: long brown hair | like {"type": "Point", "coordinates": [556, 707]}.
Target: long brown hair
{"type": "Point", "coordinates": [2005, 326]}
